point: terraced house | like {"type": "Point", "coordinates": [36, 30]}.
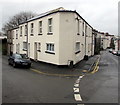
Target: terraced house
{"type": "Point", "coordinates": [60, 37]}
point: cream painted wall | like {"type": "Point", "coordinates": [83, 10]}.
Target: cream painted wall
{"type": "Point", "coordinates": [69, 37]}
{"type": "Point", "coordinates": [20, 39]}
{"type": "Point", "coordinates": [66, 38]}
{"type": "Point", "coordinates": [44, 38]}
{"type": "Point", "coordinates": [65, 29]}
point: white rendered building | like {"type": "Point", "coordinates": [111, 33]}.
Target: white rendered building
{"type": "Point", "coordinates": [59, 37]}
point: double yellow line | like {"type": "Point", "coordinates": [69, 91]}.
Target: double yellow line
{"type": "Point", "coordinates": [96, 68]}
{"type": "Point", "coordinates": [50, 74]}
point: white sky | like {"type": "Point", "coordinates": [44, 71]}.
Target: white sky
{"type": "Point", "coordinates": [100, 14]}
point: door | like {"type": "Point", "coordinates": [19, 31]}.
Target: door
{"type": "Point", "coordinates": [29, 50]}
{"type": "Point", "coordinates": [35, 51]}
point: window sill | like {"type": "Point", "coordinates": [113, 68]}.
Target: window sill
{"type": "Point", "coordinates": [38, 50]}
{"type": "Point", "coordinates": [31, 35]}
{"type": "Point", "coordinates": [77, 52]}
{"type": "Point", "coordinates": [40, 34]}
{"type": "Point", "coordinates": [49, 52]}
{"type": "Point", "coordinates": [24, 49]}
{"type": "Point", "coordinates": [49, 33]}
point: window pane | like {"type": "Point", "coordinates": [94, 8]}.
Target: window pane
{"type": "Point", "coordinates": [50, 21]}
{"type": "Point", "coordinates": [40, 23]}
{"type": "Point", "coordinates": [39, 46]}
{"type": "Point", "coordinates": [77, 46]}
{"type": "Point", "coordinates": [16, 34]}
{"type": "Point", "coordinates": [40, 30]}
{"type": "Point", "coordinates": [31, 25]}
{"type": "Point", "coordinates": [50, 28]}
{"type": "Point", "coordinates": [24, 45]}
{"type": "Point", "coordinates": [21, 30]}
{"type": "Point", "coordinates": [25, 29]}
{"type": "Point", "coordinates": [47, 47]}
{"type": "Point", "coordinates": [52, 47]}
{"type": "Point", "coordinates": [50, 25]}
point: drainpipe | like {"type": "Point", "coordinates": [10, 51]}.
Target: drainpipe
{"type": "Point", "coordinates": [85, 40]}
{"type": "Point", "coordinates": [27, 38]}
{"type": "Point", "coordinates": [92, 44]}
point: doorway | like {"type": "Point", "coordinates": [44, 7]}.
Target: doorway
{"type": "Point", "coordinates": [35, 51]}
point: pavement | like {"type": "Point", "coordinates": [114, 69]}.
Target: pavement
{"type": "Point", "coordinates": [49, 69]}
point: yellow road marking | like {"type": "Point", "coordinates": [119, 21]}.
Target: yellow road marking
{"type": "Point", "coordinates": [64, 75]}
{"type": "Point", "coordinates": [96, 66]}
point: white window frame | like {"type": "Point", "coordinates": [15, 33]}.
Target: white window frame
{"type": "Point", "coordinates": [25, 30]}
{"type": "Point", "coordinates": [18, 48]}
{"type": "Point", "coordinates": [50, 47]}
{"type": "Point", "coordinates": [77, 47]}
{"type": "Point", "coordinates": [24, 46]}
{"type": "Point", "coordinates": [40, 27]}
{"type": "Point", "coordinates": [20, 30]}
{"type": "Point", "coordinates": [50, 23]}
{"type": "Point", "coordinates": [16, 34]}
{"type": "Point", "coordinates": [83, 28]}
{"type": "Point", "coordinates": [89, 47]}
{"type": "Point", "coordinates": [32, 28]}
{"type": "Point", "coordinates": [86, 30]}
{"type": "Point", "coordinates": [78, 26]}
{"type": "Point", "coordinates": [39, 46]}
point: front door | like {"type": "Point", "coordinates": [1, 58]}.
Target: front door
{"type": "Point", "coordinates": [29, 50]}
{"type": "Point", "coordinates": [35, 51]}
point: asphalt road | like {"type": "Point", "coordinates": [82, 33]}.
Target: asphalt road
{"type": "Point", "coordinates": [25, 86]}
{"type": "Point", "coordinates": [102, 86]}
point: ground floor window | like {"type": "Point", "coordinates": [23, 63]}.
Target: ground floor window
{"type": "Point", "coordinates": [77, 47]}
{"type": "Point", "coordinates": [50, 47]}
{"type": "Point", "coordinates": [18, 48]}
{"type": "Point", "coordinates": [89, 47]}
{"type": "Point", "coordinates": [24, 46]}
{"type": "Point", "coordinates": [39, 47]}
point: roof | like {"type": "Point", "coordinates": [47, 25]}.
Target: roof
{"type": "Point", "coordinates": [53, 12]}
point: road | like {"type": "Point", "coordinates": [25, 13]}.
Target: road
{"type": "Point", "coordinates": [25, 86]}
{"type": "Point", "coordinates": [102, 87]}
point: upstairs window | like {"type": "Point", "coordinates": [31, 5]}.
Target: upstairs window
{"type": "Point", "coordinates": [50, 25]}
{"type": "Point", "coordinates": [16, 34]}
{"type": "Point", "coordinates": [77, 47]}
{"type": "Point", "coordinates": [25, 30]}
{"type": "Point", "coordinates": [20, 30]}
{"type": "Point", "coordinates": [86, 30]}
{"type": "Point", "coordinates": [32, 29]}
{"type": "Point", "coordinates": [78, 26]}
{"type": "Point", "coordinates": [40, 27]}
{"type": "Point", "coordinates": [83, 29]}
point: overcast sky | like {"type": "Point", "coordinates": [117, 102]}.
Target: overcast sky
{"type": "Point", "coordinates": [100, 14]}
